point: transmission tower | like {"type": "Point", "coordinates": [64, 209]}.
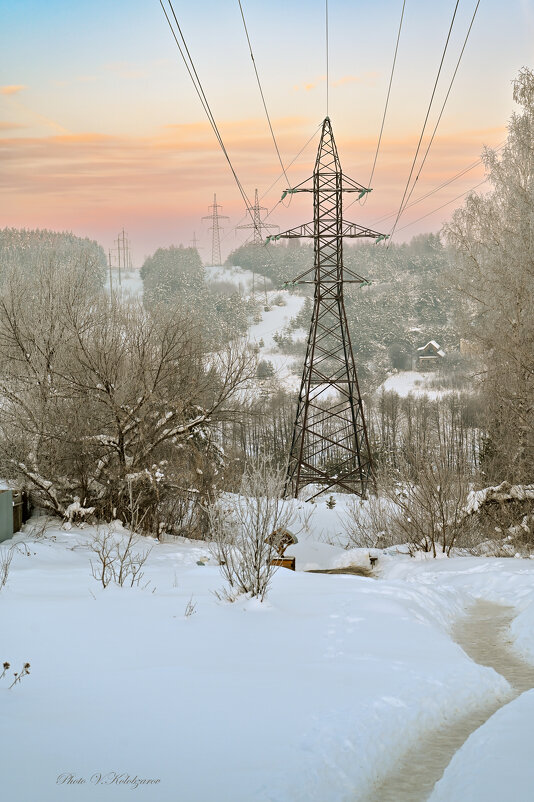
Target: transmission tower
{"type": "Point", "coordinates": [215, 228]}
{"type": "Point", "coordinates": [330, 447]}
{"type": "Point", "coordinates": [257, 224]}
{"type": "Point", "coordinates": [123, 251]}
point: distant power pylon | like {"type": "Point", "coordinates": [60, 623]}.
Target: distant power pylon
{"type": "Point", "coordinates": [215, 228]}
{"type": "Point", "coordinates": [123, 252]}
{"type": "Point", "coordinates": [194, 241]}
{"type": "Point", "coordinates": [257, 224]}
{"type": "Point", "coordinates": [330, 447]}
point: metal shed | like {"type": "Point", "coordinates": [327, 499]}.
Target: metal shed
{"type": "Point", "coordinates": [6, 514]}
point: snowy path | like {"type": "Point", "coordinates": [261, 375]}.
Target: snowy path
{"type": "Point", "coordinates": [482, 635]}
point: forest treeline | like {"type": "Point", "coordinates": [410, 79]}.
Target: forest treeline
{"type": "Point", "coordinates": [176, 276]}
{"type": "Point", "coordinates": [405, 303]}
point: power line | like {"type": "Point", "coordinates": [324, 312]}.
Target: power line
{"type": "Point", "coordinates": [275, 182]}
{"type": "Point", "coordinates": [443, 205]}
{"type": "Point", "coordinates": [438, 188]}
{"type": "Point", "coordinates": [201, 94]}
{"type": "Point", "coordinates": [426, 120]}
{"type": "Point", "coordinates": [442, 108]}
{"type": "Point", "coordinates": [387, 102]}
{"type": "Point", "coordinates": [261, 92]}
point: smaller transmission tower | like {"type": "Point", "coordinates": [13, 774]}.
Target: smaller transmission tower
{"type": "Point", "coordinates": [215, 228]}
{"type": "Point", "coordinates": [257, 223]}
{"type": "Point", "coordinates": [124, 253]}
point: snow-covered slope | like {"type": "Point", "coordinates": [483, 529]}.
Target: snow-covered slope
{"type": "Point", "coordinates": [309, 696]}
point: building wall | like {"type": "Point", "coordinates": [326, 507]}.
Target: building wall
{"type": "Point", "coordinates": [6, 514]}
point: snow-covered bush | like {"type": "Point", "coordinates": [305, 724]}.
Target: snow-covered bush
{"type": "Point", "coordinates": [429, 515]}
{"type": "Point", "coordinates": [240, 526]}
{"type": "Point", "coordinates": [369, 523]}
{"type": "Point", "coordinates": [115, 558]}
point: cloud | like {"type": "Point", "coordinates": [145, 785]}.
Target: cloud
{"type": "Point", "coordinates": [308, 87]}
{"type": "Point", "coordinates": [11, 89]}
{"type": "Point", "coordinates": [367, 79]}
{"type": "Point", "coordinates": [127, 70]}
{"type": "Point", "coordinates": [93, 180]}
{"type": "Point", "coordinates": [5, 126]}
{"type": "Point", "coordinates": [81, 79]}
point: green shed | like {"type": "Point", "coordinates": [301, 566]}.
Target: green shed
{"type": "Point", "coordinates": [6, 514]}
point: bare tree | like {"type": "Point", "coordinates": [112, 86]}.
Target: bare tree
{"type": "Point", "coordinates": [430, 515]}
{"type": "Point", "coordinates": [102, 394]}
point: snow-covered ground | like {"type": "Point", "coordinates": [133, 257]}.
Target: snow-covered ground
{"type": "Point", "coordinates": [412, 382]}
{"type": "Point", "coordinates": [274, 318]}
{"type": "Point", "coordinates": [130, 285]}
{"type": "Point", "coordinates": [261, 334]}
{"type": "Point", "coordinates": [312, 695]}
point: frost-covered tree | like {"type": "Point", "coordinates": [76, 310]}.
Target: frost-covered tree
{"type": "Point", "coordinates": [176, 276]}
{"type": "Point", "coordinates": [30, 250]}
{"type": "Point", "coordinates": [105, 400]}
{"type": "Point", "coordinates": [493, 239]}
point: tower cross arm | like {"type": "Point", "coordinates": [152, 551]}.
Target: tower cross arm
{"type": "Point", "coordinates": [347, 185]}
{"type": "Point", "coordinates": [354, 230]}
{"type": "Point", "coordinates": [219, 217]}
{"type": "Point", "coordinates": [305, 230]}
{"type": "Point", "coordinates": [351, 230]}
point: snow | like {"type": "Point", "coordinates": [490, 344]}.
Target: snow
{"type": "Point", "coordinates": [131, 283]}
{"type": "Point", "coordinates": [273, 319]}
{"type": "Point", "coordinates": [495, 763]}
{"type": "Point", "coordinates": [411, 382]}
{"type": "Point", "coordinates": [241, 278]}
{"type": "Point", "coordinates": [312, 695]}
{"type": "Point", "coordinates": [498, 494]}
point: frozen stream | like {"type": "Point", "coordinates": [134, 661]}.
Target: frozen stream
{"type": "Point", "coordinates": [483, 636]}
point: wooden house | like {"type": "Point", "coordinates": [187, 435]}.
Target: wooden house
{"type": "Point", "coordinates": [429, 355]}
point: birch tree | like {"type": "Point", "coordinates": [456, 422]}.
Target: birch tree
{"type": "Point", "coordinates": [492, 237]}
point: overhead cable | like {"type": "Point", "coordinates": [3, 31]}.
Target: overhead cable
{"type": "Point", "coordinates": [426, 120]}
{"type": "Point", "coordinates": [442, 109]}
{"type": "Point", "coordinates": [202, 96]}
{"type": "Point", "coordinates": [261, 93]}
{"type": "Point", "coordinates": [385, 108]}
{"type": "Point", "coordinates": [440, 187]}
{"type": "Point", "coordinates": [443, 205]}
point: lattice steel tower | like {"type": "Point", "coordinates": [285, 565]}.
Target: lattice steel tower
{"type": "Point", "coordinates": [257, 223]}
{"type": "Point", "coordinates": [214, 217]}
{"type": "Point", "coordinates": [330, 447]}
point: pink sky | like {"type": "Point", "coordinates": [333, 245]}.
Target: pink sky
{"type": "Point", "coordinates": [97, 138]}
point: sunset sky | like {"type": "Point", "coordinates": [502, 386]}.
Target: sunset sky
{"type": "Point", "coordinates": [101, 127]}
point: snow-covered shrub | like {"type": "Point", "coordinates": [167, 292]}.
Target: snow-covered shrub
{"type": "Point", "coordinates": [116, 559]}
{"type": "Point", "coordinates": [240, 526]}
{"type": "Point", "coordinates": [6, 555]}
{"type": "Point", "coordinates": [502, 516]}
{"type": "Point", "coordinates": [369, 523]}
{"type": "Point", "coordinates": [429, 515]}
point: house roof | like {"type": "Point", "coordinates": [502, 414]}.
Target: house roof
{"type": "Point", "coordinates": [436, 346]}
